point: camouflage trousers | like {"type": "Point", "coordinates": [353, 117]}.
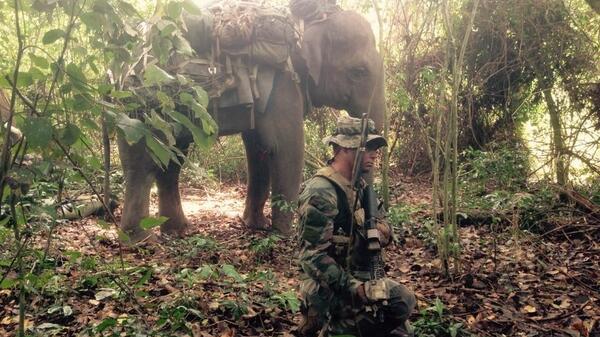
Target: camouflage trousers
{"type": "Point", "coordinates": [345, 315]}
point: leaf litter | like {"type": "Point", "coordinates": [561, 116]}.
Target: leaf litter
{"type": "Point", "coordinates": [224, 280]}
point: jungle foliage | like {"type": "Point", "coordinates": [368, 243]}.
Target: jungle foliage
{"type": "Point", "coordinates": [494, 103]}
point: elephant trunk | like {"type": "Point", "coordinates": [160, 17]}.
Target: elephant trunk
{"type": "Point", "coordinates": [377, 107]}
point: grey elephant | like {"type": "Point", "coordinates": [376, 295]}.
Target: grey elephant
{"type": "Point", "coordinates": [338, 66]}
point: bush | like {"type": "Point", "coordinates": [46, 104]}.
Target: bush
{"type": "Point", "coordinates": [501, 167]}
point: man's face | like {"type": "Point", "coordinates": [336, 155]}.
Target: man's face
{"type": "Point", "coordinates": [368, 160]}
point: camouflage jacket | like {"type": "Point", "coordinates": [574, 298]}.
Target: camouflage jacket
{"type": "Point", "coordinates": [325, 209]}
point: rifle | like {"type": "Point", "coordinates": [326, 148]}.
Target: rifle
{"type": "Point", "coordinates": [375, 289]}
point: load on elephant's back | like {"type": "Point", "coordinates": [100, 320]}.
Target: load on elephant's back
{"type": "Point", "coordinates": [336, 65]}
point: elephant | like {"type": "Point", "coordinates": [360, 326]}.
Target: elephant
{"type": "Point", "coordinates": [338, 66]}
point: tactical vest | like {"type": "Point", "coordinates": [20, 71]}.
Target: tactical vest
{"type": "Point", "coordinates": [343, 238]}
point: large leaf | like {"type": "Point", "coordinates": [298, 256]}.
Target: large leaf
{"type": "Point", "coordinates": [24, 79]}
{"type": "Point", "coordinates": [38, 131]}
{"type": "Point", "coordinates": [133, 129]}
{"type": "Point", "coordinates": [93, 20]}
{"type": "Point", "coordinates": [209, 126]}
{"type": "Point", "coordinates": [201, 96]}
{"type": "Point", "coordinates": [70, 134]}
{"type": "Point", "coordinates": [160, 124]}
{"type": "Point", "coordinates": [148, 223]}
{"type": "Point", "coordinates": [76, 77]}
{"type": "Point", "coordinates": [153, 75]}
{"type": "Point", "coordinates": [161, 153]}
{"type": "Point", "coordinates": [40, 62]}
{"type": "Point", "coordinates": [82, 102]}
{"type": "Point", "coordinates": [174, 9]}
{"type": "Point", "coordinates": [191, 7]}
{"type": "Point", "coordinates": [230, 271]}
{"type": "Point", "coordinates": [166, 27]}
{"type": "Point", "coordinates": [166, 102]}
{"type": "Point", "coordinates": [52, 35]}
{"type": "Point", "coordinates": [182, 45]}
{"type": "Point", "coordinates": [200, 138]}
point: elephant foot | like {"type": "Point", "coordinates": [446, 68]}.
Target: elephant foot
{"type": "Point", "coordinates": [174, 228]}
{"type": "Point", "coordinates": [257, 222]}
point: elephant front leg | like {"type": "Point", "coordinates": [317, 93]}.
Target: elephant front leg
{"type": "Point", "coordinates": [169, 201]}
{"type": "Point", "coordinates": [286, 175]}
{"type": "Point", "coordinates": [258, 182]}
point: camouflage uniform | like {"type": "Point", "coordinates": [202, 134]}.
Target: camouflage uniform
{"type": "Point", "coordinates": [331, 274]}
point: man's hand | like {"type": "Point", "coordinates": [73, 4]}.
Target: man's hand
{"type": "Point", "coordinates": [385, 233]}
{"type": "Point", "coordinates": [373, 291]}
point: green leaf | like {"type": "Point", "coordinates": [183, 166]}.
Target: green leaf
{"type": "Point", "coordinates": [200, 138]}
{"type": "Point", "coordinates": [121, 94]}
{"type": "Point", "coordinates": [82, 102]}
{"type": "Point", "coordinates": [166, 102]}
{"type": "Point", "coordinates": [124, 237]}
{"type": "Point", "coordinates": [201, 96]}
{"type": "Point", "coordinates": [37, 74]}
{"type": "Point", "coordinates": [103, 224]}
{"type": "Point", "coordinates": [160, 124]}
{"type": "Point", "coordinates": [160, 153]}
{"type": "Point", "coordinates": [8, 283]}
{"type": "Point", "coordinates": [166, 28]}
{"type": "Point", "coordinates": [24, 79]}
{"type": "Point", "coordinates": [209, 126]}
{"type": "Point", "coordinates": [70, 134]}
{"type": "Point", "coordinates": [182, 45]}
{"type": "Point", "coordinates": [38, 131]}
{"type": "Point", "coordinates": [206, 272]}
{"type": "Point", "coordinates": [52, 35]}
{"type": "Point", "coordinates": [174, 9]}
{"type": "Point", "coordinates": [104, 89]}
{"type": "Point", "coordinates": [4, 84]}
{"type": "Point", "coordinates": [93, 20]}
{"type": "Point", "coordinates": [191, 7]}
{"type": "Point", "coordinates": [161, 48]}
{"type": "Point", "coordinates": [127, 9]}
{"type": "Point", "coordinates": [105, 324]}
{"type": "Point", "coordinates": [133, 129]}
{"type": "Point", "coordinates": [148, 223]}
{"type": "Point", "coordinates": [153, 75]}
{"type": "Point", "coordinates": [76, 77]}
{"type": "Point", "coordinates": [39, 61]}
{"type": "Point", "coordinates": [230, 271]}
{"type": "Point", "coordinates": [454, 328]}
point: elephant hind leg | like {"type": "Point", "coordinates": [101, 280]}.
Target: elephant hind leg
{"type": "Point", "coordinates": [138, 170]}
{"type": "Point", "coordinates": [258, 182]}
{"type": "Point", "coordinates": [169, 201]}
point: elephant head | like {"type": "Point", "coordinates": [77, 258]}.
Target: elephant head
{"type": "Point", "coordinates": [341, 65]}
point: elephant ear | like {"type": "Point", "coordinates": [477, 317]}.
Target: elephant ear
{"type": "Point", "coordinates": [313, 50]}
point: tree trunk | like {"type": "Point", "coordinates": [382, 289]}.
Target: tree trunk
{"type": "Point", "coordinates": [558, 147]}
{"type": "Point", "coordinates": [106, 148]}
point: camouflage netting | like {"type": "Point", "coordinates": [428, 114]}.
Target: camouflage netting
{"type": "Point", "coordinates": [265, 34]}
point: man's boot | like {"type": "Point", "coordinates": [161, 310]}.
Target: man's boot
{"type": "Point", "coordinates": [311, 325]}
{"type": "Point", "coordinates": [405, 330]}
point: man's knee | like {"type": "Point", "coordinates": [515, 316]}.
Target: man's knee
{"type": "Point", "coordinates": [402, 301]}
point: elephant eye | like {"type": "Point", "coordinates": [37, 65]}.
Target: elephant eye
{"type": "Point", "coordinates": [358, 73]}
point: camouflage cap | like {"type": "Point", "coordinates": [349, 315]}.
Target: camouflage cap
{"type": "Point", "coordinates": [348, 133]}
